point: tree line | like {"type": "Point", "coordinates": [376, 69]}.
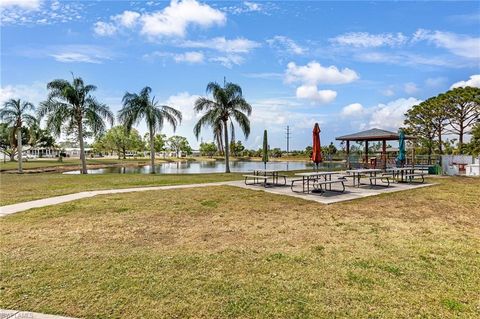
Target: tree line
{"type": "Point", "coordinates": [121, 142]}
{"type": "Point", "coordinates": [453, 113]}
{"type": "Point", "coordinates": [72, 109]}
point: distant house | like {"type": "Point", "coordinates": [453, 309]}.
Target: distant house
{"type": "Point", "coordinates": [42, 152]}
{"type": "Point", "coordinates": [75, 152]}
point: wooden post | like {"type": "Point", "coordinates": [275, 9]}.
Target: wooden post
{"type": "Point", "coordinates": [348, 155]}
{"type": "Point", "coordinates": [366, 154]}
{"type": "Point", "coordinates": [384, 154]}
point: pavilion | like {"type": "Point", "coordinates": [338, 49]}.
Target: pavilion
{"type": "Point", "coordinates": [374, 135]}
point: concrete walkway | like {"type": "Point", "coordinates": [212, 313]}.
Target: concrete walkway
{"type": "Point", "coordinates": [327, 198]}
{"type": "Point", "coordinates": [15, 314]}
{"type": "Point", "coordinates": [20, 207]}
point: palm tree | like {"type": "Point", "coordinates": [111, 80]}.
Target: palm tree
{"type": "Point", "coordinates": [15, 113]}
{"type": "Point", "coordinates": [140, 106]}
{"type": "Point", "coordinates": [227, 105]}
{"type": "Point", "coordinates": [71, 106]}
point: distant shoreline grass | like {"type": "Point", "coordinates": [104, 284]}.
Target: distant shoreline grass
{"type": "Point", "coordinates": [68, 164]}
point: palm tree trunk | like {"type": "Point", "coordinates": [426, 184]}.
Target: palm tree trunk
{"type": "Point", "coordinates": [152, 151]}
{"type": "Point", "coordinates": [83, 170]}
{"type": "Point", "coordinates": [19, 148]}
{"type": "Point", "coordinates": [227, 150]}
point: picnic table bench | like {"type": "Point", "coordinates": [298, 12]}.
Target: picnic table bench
{"type": "Point", "coordinates": [264, 175]}
{"type": "Point", "coordinates": [411, 177]}
{"type": "Point", "coordinates": [406, 174]}
{"type": "Point", "coordinates": [317, 182]}
{"type": "Point", "coordinates": [371, 174]}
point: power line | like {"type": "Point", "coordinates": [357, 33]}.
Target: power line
{"type": "Point", "coordinates": [288, 136]}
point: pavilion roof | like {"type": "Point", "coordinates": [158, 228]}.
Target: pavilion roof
{"type": "Point", "coordinates": [374, 134]}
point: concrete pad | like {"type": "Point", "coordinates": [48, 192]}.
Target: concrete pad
{"type": "Point", "coordinates": [331, 197]}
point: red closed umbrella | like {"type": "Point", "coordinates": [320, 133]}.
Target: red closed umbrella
{"type": "Point", "coordinates": [316, 148]}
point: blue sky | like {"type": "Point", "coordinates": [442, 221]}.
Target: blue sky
{"type": "Point", "coordinates": [347, 65]}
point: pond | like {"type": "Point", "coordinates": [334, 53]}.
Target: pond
{"type": "Point", "coordinates": [195, 167]}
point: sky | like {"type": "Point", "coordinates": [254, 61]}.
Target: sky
{"type": "Point", "coordinates": [349, 66]}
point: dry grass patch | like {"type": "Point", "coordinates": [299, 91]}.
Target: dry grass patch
{"type": "Point", "coordinates": [230, 252]}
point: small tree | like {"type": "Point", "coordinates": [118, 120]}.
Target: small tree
{"type": "Point", "coordinates": [276, 152]}
{"type": "Point", "coordinates": [462, 106]}
{"type": "Point", "coordinates": [119, 140]}
{"type": "Point", "coordinates": [208, 149]}
{"type": "Point", "coordinates": [142, 106]}
{"type": "Point", "coordinates": [226, 106]}
{"type": "Point", "coordinates": [70, 106]}
{"type": "Point", "coordinates": [236, 148]}
{"type": "Point", "coordinates": [179, 144]}
{"type": "Point", "coordinates": [474, 145]}
{"type": "Point", "coordinates": [16, 113]}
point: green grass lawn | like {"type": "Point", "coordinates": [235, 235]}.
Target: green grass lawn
{"type": "Point", "coordinates": [15, 188]}
{"type": "Point", "coordinates": [221, 252]}
{"type": "Point", "coordinates": [72, 162]}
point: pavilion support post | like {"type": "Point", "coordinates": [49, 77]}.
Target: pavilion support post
{"type": "Point", "coordinates": [348, 155]}
{"type": "Point", "coordinates": [384, 154]}
{"type": "Point", "coordinates": [366, 154]}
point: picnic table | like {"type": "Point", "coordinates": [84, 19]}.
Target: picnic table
{"type": "Point", "coordinates": [405, 174]}
{"type": "Point", "coordinates": [371, 173]}
{"type": "Point", "coordinates": [264, 175]}
{"type": "Point", "coordinates": [317, 179]}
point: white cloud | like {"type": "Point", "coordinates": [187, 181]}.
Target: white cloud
{"type": "Point", "coordinates": [410, 59]}
{"type": "Point", "coordinates": [311, 92]}
{"type": "Point", "coordinates": [79, 53]}
{"type": "Point", "coordinates": [365, 39]}
{"type": "Point", "coordinates": [314, 73]}
{"type": "Point", "coordinates": [172, 21]}
{"type": "Point", "coordinates": [473, 81]}
{"type": "Point", "coordinates": [354, 109]}
{"type": "Point", "coordinates": [389, 91]}
{"type": "Point", "coordinates": [104, 28]}
{"type": "Point", "coordinates": [238, 45]}
{"type": "Point", "coordinates": [178, 16]}
{"type": "Point", "coordinates": [127, 19]}
{"type": "Point", "coordinates": [229, 60]}
{"type": "Point", "coordinates": [252, 6]}
{"type": "Point", "coordinates": [34, 12]}
{"type": "Point", "coordinates": [183, 102]}
{"type": "Point", "coordinates": [389, 116]}
{"type": "Point", "coordinates": [189, 57]}
{"type": "Point", "coordinates": [23, 4]}
{"type": "Point", "coordinates": [410, 88]}
{"type": "Point", "coordinates": [285, 44]}
{"type": "Point", "coordinates": [232, 49]}
{"type": "Point", "coordinates": [34, 93]}
{"type": "Point", "coordinates": [192, 57]}
{"type": "Point", "coordinates": [248, 6]}
{"type": "Point", "coordinates": [461, 45]}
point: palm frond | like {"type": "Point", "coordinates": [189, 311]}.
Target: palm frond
{"type": "Point", "coordinates": [242, 121]}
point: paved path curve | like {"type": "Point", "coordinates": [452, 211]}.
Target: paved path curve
{"type": "Point", "coordinates": [20, 207]}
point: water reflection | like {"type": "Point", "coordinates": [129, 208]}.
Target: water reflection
{"type": "Point", "coordinates": [207, 167]}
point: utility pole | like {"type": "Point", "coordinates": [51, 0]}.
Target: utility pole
{"type": "Point", "coordinates": [288, 136]}
{"type": "Point", "coordinates": [224, 81]}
